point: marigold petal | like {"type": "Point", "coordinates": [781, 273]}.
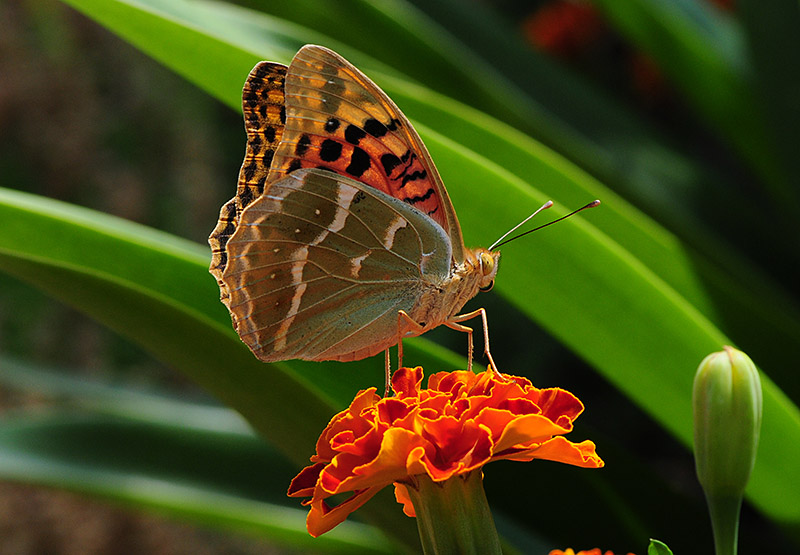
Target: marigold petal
{"type": "Point", "coordinates": [322, 518]}
{"type": "Point", "coordinates": [558, 403]}
{"type": "Point", "coordinates": [392, 410]}
{"type": "Point", "coordinates": [452, 382]}
{"type": "Point", "coordinates": [524, 431]}
{"type": "Point", "coordinates": [495, 419]}
{"type": "Point", "coordinates": [473, 450]}
{"type": "Point", "coordinates": [342, 439]}
{"type": "Point", "coordinates": [387, 466]}
{"type": "Point", "coordinates": [558, 449]}
{"type": "Point", "coordinates": [520, 405]}
{"type": "Point", "coordinates": [402, 497]}
{"type": "Point", "coordinates": [350, 419]}
{"type": "Point", "coordinates": [407, 381]}
{"type": "Point", "coordinates": [303, 484]}
{"type": "Point", "coordinates": [349, 460]}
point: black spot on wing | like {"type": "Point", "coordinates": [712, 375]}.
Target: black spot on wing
{"type": "Point", "coordinates": [332, 125]}
{"type": "Point", "coordinates": [389, 162]}
{"type": "Point", "coordinates": [375, 128]}
{"type": "Point", "coordinates": [330, 150]}
{"type": "Point", "coordinates": [293, 165]}
{"type": "Point", "coordinates": [230, 215]}
{"type": "Point", "coordinates": [269, 134]}
{"type": "Point", "coordinates": [251, 97]}
{"type": "Point", "coordinates": [268, 155]}
{"type": "Point", "coordinates": [359, 162]}
{"type": "Point", "coordinates": [253, 120]}
{"type": "Point", "coordinates": [302, 145]}
{"type": "Point", "coordinates": [261, 72]}
{"type": "Point", "coordinates": [353, 134]}
{"type": "Point", "coordinates": [246, 197]}
{"type": "Point", "coordinates": [250, 170]}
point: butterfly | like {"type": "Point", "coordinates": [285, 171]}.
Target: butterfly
{"type": "Point", "coordinates": [341, 239]}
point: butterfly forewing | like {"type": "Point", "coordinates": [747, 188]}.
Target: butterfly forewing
{"type": "Point", "coordinates": [338, 119]}
{"type": "Point", "coordinates": [321, 264]}
{"type": "Point", "coordinates": [264, 116]}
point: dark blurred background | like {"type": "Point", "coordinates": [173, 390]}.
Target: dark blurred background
{"type": "Point", "coordinates": [88, 119]}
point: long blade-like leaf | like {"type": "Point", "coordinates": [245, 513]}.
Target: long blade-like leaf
{"type": "Point", "coordinates": [173, 470]}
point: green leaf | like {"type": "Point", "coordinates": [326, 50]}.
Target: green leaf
{"type": "Point", "coordinates": [658, 548]}
{"type": "Point", "coordinates": [200, 474]}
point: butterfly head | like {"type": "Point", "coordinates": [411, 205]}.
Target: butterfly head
{"type": "Point", "coordinates": [487, 264]}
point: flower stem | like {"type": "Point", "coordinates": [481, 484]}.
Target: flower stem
{"type": "Point", "coordinates": [453, 516]}
{"type": "Point", "coordinates": [724, 511]}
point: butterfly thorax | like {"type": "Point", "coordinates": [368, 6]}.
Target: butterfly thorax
{"type": "Point", "coordinates": [444, 300]}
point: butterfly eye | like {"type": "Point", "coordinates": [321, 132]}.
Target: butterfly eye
{"type": "Point", "coordinates": [487, 265]}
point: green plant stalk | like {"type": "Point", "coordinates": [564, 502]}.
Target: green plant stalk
{"type": "Point", "coordinates": [453, 516]}
{"type": "Point", "coordinates": [724, 511]}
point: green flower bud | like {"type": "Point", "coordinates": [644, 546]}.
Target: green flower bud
{"type": "Point", "coordinates": [727, 422]}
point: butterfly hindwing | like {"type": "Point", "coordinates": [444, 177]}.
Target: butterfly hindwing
{"type": "Point", "coordinates": [264, 117]}
{"type": "Point", "coordinates": [320, 265]}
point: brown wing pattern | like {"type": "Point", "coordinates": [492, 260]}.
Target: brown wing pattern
{"type": "Point", "coordinates": [264, 117]}
{"type": "Point", "coordinates": [338, 119]}
{"type": "Point", "coordinates": [321, 264]}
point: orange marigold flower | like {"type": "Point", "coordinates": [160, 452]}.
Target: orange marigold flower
{"type": "Point", "coordinates": [458, 424]}
{"type": "Point", "coordinates": [594, 551]}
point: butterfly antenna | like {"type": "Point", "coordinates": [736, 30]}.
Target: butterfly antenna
{"type": "Point", "coordinates": [548, 204]}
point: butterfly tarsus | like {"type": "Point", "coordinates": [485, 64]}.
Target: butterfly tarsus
{"type": "Point", "coordinates": [455, 323]}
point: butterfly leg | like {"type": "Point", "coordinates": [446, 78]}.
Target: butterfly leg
{"type": "Point", "coordinates": [412, 326]}
{"type": "Point", "coordinates": [454, 323]}
{"type": "Point", "coordinates": [470, 348]}
{"type": "Point", "coordinates": [388, 377]}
